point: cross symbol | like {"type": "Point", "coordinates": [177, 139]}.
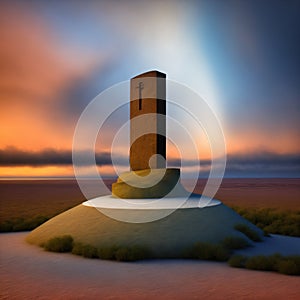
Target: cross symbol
{"type": "Point", "coordinates": [140, 87]}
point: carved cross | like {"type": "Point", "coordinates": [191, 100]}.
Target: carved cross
{"type": "Point", "coordinates": [140, 87]}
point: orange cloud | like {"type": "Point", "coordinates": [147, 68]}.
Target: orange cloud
{"type": "Point", "coordinates": [251, 140]}
{"type": "Point", "coordinates": [35, 65]}
{"type": "Point", "coordinates": [35, 70]}
{"type": "Point", "coordinates": [31, 69]}
{"type": "Point", "coordinates": [52, 171]}
{"type": "Point", "coordinates": [27, 171]}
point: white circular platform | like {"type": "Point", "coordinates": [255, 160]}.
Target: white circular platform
{"type": "Point", "coordinates": [110, 202]}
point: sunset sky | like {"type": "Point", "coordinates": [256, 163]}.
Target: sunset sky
{"type": "Point", "coordinates": [242, 57]}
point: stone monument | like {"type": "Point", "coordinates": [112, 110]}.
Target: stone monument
{"type": "Point", "coordinates": [164, 228]}
{"type": "Point", "coordinates": [149, 177]}
{"type": "Point", "coordinates": [148, 101]}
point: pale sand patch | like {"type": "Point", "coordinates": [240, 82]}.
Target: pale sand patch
{"type": "Point", "coordinates": [285, 245]}
{"type": "Point", "coordinates": [28, 272]}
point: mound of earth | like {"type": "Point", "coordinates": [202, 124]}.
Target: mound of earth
{"type": "Point", "coordinates": [167, 237]}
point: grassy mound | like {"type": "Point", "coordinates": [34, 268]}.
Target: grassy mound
{"type": "Point", "coordinates": [165, 238]}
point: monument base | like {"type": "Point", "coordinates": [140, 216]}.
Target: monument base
{"type": "Point", "coordinates": [149, 183]}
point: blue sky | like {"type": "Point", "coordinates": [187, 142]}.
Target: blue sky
{"type": "Point", "coordinates": [242, 57]}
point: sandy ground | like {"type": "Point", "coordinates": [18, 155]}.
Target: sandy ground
{"type": "Point", "coordinates": [28, 272]}
{"type": "Point", "coordinates": [285, 245]}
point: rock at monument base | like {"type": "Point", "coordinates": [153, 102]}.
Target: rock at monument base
{"type": "Point", "coordinates": [166, 238]}
{"type": "Point", "coordinates": [149, 183]}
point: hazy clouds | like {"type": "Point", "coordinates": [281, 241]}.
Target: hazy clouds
{"type": "Point", "coordinates": [242, 165]}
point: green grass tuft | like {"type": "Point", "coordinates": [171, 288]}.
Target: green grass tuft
{"type": "Point", "coordinates": [251, 234]}
{"type": "Point", "coordinates": [85, 250]}
{"type": "Point", "coordinates": [289, 265]}
{"type": "Point", "coordinates": [121, 253]}
{"type": "Point", "coordinates": [264, 263]}
{"type": "Point", "coordinates": [22, 224]}
{"type": "Point", "coordinates": [208, 252]}
{"type": "Point", "coordinates": [132, 253]}
{"type": "Point", "coordinates": [273, 221]}
{"type": "Point", "coordinates": [237, 261]}
{"type": "Point", "coordinates": [59, 244]}
{"type": "Point", "coordinates": [233, 242]}
{"type": "Point", "coordinates": [107, 252]}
